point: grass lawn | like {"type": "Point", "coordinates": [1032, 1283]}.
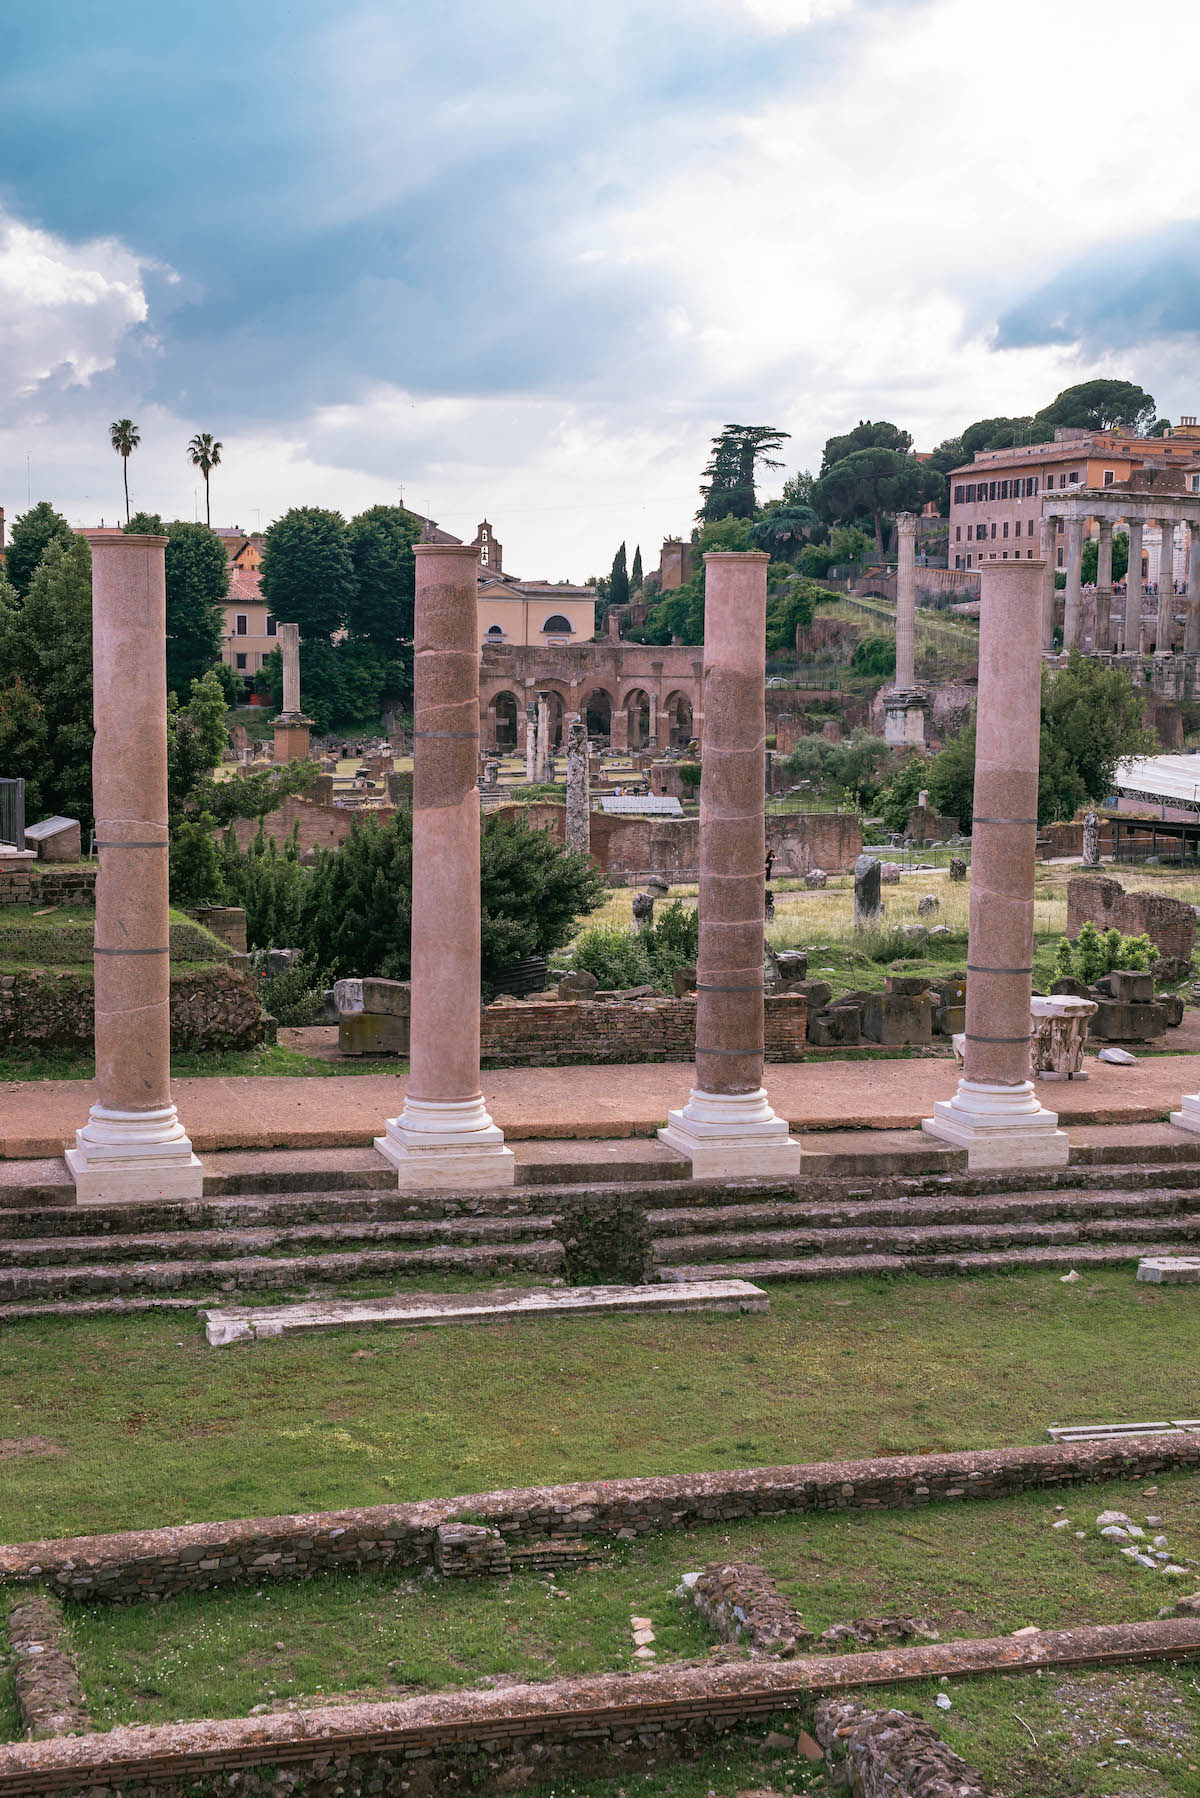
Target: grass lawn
{"type": "Point", "coordinates": [270, 1058]}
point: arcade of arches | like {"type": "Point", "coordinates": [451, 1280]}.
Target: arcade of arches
{"type": "Point", "coordinates": [628, 694]}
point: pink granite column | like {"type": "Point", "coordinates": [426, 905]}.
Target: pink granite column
{"type": "Point", "coordinates": [444, 1136]}
{"type": "Point", "coordinates": [995, 1114]}
{"type": "Point", "coordinates": [727, 1125]}
{"type": "Point", "coordinates": [906, 600]}
{"type": "Point", "coordinates": [133, 1146]}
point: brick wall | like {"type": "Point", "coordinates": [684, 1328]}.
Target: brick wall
{"type": "Point", "coordinates": [1169, 923]}
{"type": "Point", "coordinates": [157, 1563]}
{"type": "Point", "coordinates": [562, 1033]}
{"type": "Point", "coordinates": [213, 1007]}
{"type": "Point", "coordinates": [629, 848]}
{"type": "Point", "coordinates": [321, 826]}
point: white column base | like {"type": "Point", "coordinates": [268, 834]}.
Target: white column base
{"type": "Point", "coordinates": [127, 1157]}
{"type": "Point", "coordinates": [1188, 1116]}
{"type": "Point", "coordinates": [732, 1136]}
{"type": "Point", "coordinates": [445, 1143]}
{"type": "Point", "coordinates": [1000, 1127]}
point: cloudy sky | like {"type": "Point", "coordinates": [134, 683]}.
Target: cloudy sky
{"type": "Point", "coordinates": [522, 259]}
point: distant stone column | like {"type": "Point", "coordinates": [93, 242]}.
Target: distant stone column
{"type": "Point", "coordinates": [995, 1114]}
{"type": "Point", "coordinates": [1166, 588]}
{"type": "Point", "coordinates": [444, 1137]}
{"type": "Point", "coordinates": [727, 1127]}
{"type": "Point", "coordinates": [1102, 639]}
{"type": "Point", "coordinates": [1191, 641]}
{"type": "Point", "coordinates": [1074, 602]}
{"type": "Point", "coordinates": [906, 600]}
{"type": "Point", "coordinates": [579, 813]}
{"type": "Point", "coordinates": [1048, 550]}
{"type": "Point", "coordinates": [531, 744]}
{"type": "Point", "coordinates": [133, 1146]}
{"type": "Point", "coordinates": [1133, 590]}
{"type": "Point", "coordinates": [292, 729]}
{"type": "Point", "coordinates": [544, 750]}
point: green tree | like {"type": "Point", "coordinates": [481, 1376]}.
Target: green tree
{"type": "Point", "coordinates": [790, 609]}
{"type": "Point", "coordinates": [23, 742]}
{"type": "Point", "coordinates": [381, 543]}
{"type": "Point", "coordinates": [681, 613]}
{"type": "Point", "coordinates": [865, 435]}
{"type": "Point", "coordinates": [618, 580]}
{"type": "Point", "coordinates": [949, 454]}
{"type": "Point", "coordinates": [52, 652]}
{"type": "Point", "coordinates": [729, 478]}
{"type": "Point", "coordinates": [900, 795]}
{"type": "Point", "coordinates": [797, 489]}
{"type": "Point", "coordinates": [635, 572]}
{"type": "Point", "coordinates": [782, 529]}
{"type": "Point", "coordinates": [197, 576]}
{"type": "Point", "coordinates": [31, 534]}
{"type": "Point", "coordinates": [1090, 565]}
{"type": "Point", "coordinates": [307, 571]}
{"type": "Point", "coordinates": [875, 655]}
{"type": "Point", "coordinates": [997, 433]}
{"type": "Point", "coordinates": [1099, 406]}
{"type": "Point", "coordinates": [124, 436]}
{"type": "Point", "coordinates": [532, 893]}
{"type": "Point", "coordinates": [875, 482]}
{"type": "Point", "coordinates": [356, 913]}
{"type": "Point", "coordinates": [343, 686]}
{"type": "Point", "coordinates": [146, 524]}
{"type": "Point", "coordinates": [204, 453]}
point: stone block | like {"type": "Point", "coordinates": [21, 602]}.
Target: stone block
{"type": "Point", "coordinates": [1070, 986]}
{"type": "Point", "coordinates": [951, 989]}
{"type": "Point", "coordinates": [387, 998]}
{"type": "Point", "coordinates": [1117, 1021]}
{"type": "Point", "coordinates": [817, 992]}
{"type": "Point", "coordinates": [792, 964]}
{"type": "Point", "coordinates": [1134, 988]}
{"type": "Point", "coordinates": [1174, 1008]}
{"type": "Point", "coordinates": [348, 995]}
{"type": "Point", "coordinates": [949, 1020]}
{"type": "Point", "coordinates": [894, 1018]}
{"type": "Point", "coordinates": [55, 839]}
{"type": "Point", "coordinates": [281, 961]}
{"type": "Point", "coordinates": [889, 874]}
{"type": "Point", "coordinates": [372, 1033]}
{"type": "Point", "coordinates": [684, 980]}
{"type": "Point", "coordinates": [578, 984]}
{"type": "Point", "coordinates": [1170, 968]}
{"type": "Point", "coordinates": [841, 1025]}
{"type": "Point", "coordinates": [958, 868]}
{"type": "Point", "coordinates": [907, 986]}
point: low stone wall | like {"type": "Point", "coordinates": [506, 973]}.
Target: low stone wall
{"type": "Point", "coordinates": [741, 1603]}
{"type": "Point", "coordinates": [36, 884]}
{"type": "Point", "coordinates": [893, 1754]}
{"type": "Point", "coordinates": [629, 848]}
{"type": "Point", "coordinates": [568, 1032]}
{"type": "Point", "coordinates": [49, 1695]}
{"type": "Point", "coordinates": [494, 1741]}
{"type": "Point", "coordinates": [215, 1007]}
{"type": "Point", "coordinates": [1169, 923]}
{"type": "Point", "coordinates": [155, 1563]}
{"type": "Point", "coordinates": [50, 942]}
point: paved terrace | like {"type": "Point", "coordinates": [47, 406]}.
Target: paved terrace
{"type": "Point", "coordinates": [40, 1117]}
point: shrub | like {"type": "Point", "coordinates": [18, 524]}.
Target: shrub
{"type": "Point", "coordinates": [1093, 955]}
{"type": "Point", "coordinates": [296, 997]}
{"type": "Point", "coordinates": [615, 956]}
{"type": "Point", "coordinates": [875, 656]}
{"type": "Point", "coordinates": [689, 774]}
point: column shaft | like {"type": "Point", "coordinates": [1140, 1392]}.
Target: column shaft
{"type": "Point", "coordinates": [531, 748]}
{"type": "Point", "coordinates": [1047, 549]}
{"type": "Point", "coordinates": [133, 1145]}
{"type": "Point", "coordinates": [1102, 641]}
{"type": "Point", "coordinates": [289, 643]}
{"type": "Point", "coordinates": [906, 600]}
{"type": "Point", "coordinates": [1192, 640]}
{"type": "Point", "coordinates": [1166, 588]}
{"type": "Point", "coordinates": [444, 1135]}
{"type": "Point", "coordinates": [1074, 599]}
{"type": "Point", "coordinates": [579, 820]}
{"type": "Point", "coordinates": [1133, 591]}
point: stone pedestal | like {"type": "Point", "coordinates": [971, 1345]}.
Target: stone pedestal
{"type": "Point", "coordinates": [133, 1146]}
{"type": "Point", "coordinates": [727, 1129]}
{"type": "Point", "coordinates": [444, 1136]}
{"type": "Point", "coordinates": [292, 737]}
{"type": "Point", "coordinates": [904, 712]}
{"type": "Point", "coordinates": [995, 1114]}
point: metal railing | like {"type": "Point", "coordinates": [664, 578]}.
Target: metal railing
{"type": "Point", "coordinates": [12, 812]}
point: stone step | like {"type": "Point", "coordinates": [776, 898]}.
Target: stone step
{"type": "Point", "coordinates": [832, 1267]}
{"type": "Point", "coordinates": [256, 1272]}
{"type": "Point", "coordinates": [217, 1245]}
{"type": "Point", "coordinates": [950, 1208]}
{"type": "Point", "coordinates": [939, 1239]}
{"type": "Point", "coordinates": [341, 1210]}
{"type": "Point", "coordinates": [230, 1325]}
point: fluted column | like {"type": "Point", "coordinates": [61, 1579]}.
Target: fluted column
{"type": "Point", "coordinates": [1074, 595]}
{"type": "Point", "coordinates": [444, 1137]}
{"type": "Point", "coordinates": [1103, 638]}
{"type": "Point", "coordinates": [995, 1114]}
{"type": "Point", "coordinates": [1047, 549]}
{"type": "Point", "coordinates": [1192, 639]}
{"type": "Point", "coordinates": [727, 1127]}
{"type": "Point", "coordinates": [906, 600]}
{"type": "Point", "coordinates": [1133, 590]}
{"type": "Point", "coordinates": [1166, 587]}
{"type": "Point", "coordinates": [133, 1146]}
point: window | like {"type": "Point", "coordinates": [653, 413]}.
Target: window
{"type": "Point", "coordinates": [483, 555]}
{"type": "Point", "coordinates": [240, 659]}
{"type": "Point", "coordinates": [958, 527]}
{"type": "Point", "coordinates": [1031, 487]}
{"type": "Point", "coordinates": [959, 491]}
{"type": "Point", "coordinates": [991, 489]}
{"type": "Point", "coordinates": [495, 630]}
{"type": "Point", "coordinates": [241, 625]}
{"type": "Point", "coordinates": [1006, 527]}
{"type": "Point", "coordinates": [272, 626]}
{"type": "Point", "coordinates": [1109, 477]}
{"type": "Point", "coordinates": [1004, 490]}
{"type": "Point", "coordinates": [1062, 554]}
{"type": "Point", "coordinates": [993, 532]}
{"type": "Point", "coordinates": [1061, 526]}
{"type": "Point", "coordinates": [1029, 555]}
{"type": "Point", "coordinates": [558, 626]}
{"type": "Point", "coordinates": [1006, 555]}
{"type": "Point", "coordinates": [1074, 477]}
{"type": "Point", "coordinates": [968, 561]}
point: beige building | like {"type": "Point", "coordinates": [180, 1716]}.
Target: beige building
{"type": "Point", "coordinates": [251, 632]}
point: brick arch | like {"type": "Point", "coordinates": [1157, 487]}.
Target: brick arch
{"type": "Point", "coordinates": [676, 720]}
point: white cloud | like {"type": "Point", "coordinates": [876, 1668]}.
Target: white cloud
{"type": "Point", "coordinates": [64, 309]}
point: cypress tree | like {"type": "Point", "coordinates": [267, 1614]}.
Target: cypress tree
{"type": "Point", "coordinates": [618, 580]}
{"type": "Point", "coordinates": [635, 573]}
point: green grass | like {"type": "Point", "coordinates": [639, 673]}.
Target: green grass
{"type": "Point", "coordinates": [270, 1058]}
{"type": "Point", "coordinates": [856, 1367]}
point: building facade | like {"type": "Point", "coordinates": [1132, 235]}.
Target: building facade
{"type": "Point", "coordinates": [251, 632]}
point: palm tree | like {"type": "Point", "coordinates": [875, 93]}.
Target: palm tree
{"type": "Point", "coordinates": [124, 436]}
{"type": "Point", "coordinates": [204, 453]}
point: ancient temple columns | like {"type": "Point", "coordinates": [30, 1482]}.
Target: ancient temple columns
{"type": "Point", "coordinates": [1074, 596]}
{"type": "Point", "coordinates": [1133, 590]}
{"type": "Point", "coordinates": [1047, 550]}
{"type": "Point", "coordinates": [995, 1114]}
{"type": "Point", "coordinates": [133, 1146]}
{"type": "Point", "coordinates": [1166, 588]}
{"type": "Point", "coordinates": [1192, 639]}
{"type": "Point", "coordinates": [1102, 636]}
{"type": "Point", "coordinates": [444, 1136]}
{"type": "Point", "coordinates": [727, 1128]}
{"type": "Point", "coordinates": [906, 599]}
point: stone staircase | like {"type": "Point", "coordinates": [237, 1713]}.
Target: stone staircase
{"type": "Point", "coordinates": [345, 1232]}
